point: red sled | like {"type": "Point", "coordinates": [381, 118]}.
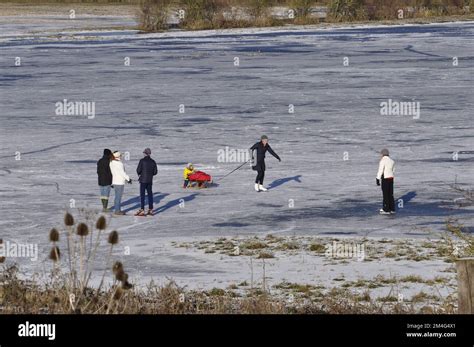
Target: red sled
{"type": "Point", "coordinates": [200, 177]}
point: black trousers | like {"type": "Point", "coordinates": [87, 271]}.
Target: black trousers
{"type": "Point", "coordinates": [148, 188]}
{"type": "Point", "coordinates": [388, 200]}
{"type": "Point", "coordinates": [260, 176]}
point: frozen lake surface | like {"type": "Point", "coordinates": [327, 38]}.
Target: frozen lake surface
{"type": "Point", "coordinates": [325, 184]}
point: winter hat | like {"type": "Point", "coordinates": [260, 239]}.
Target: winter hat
{"type": "Point", "coordinates": [147, 151]}
{"type": "Point", "coordinates": [264, 137]}
{"type": "Point", "coordinates": [384, 152]}
{"type": "Point", "coordinates": [117, 155]}
{"type": "Point", "coordinates": [107, 152]}
{"type": "Point", "coordinates": [190, 165]}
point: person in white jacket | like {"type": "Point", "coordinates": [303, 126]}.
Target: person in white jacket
{"type": "Point", "coordinates": [119, 177]}
{"type": "Point", "coordinates": [385, 177]}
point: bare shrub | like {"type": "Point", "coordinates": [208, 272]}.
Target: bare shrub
{"type": "Point", "coordinates": [203, 14]}
{"type": "Point", "coordinates": [346, 10]}
{"type": "Point", "coordinates": [153, 15]}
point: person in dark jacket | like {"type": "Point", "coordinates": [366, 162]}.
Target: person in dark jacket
{"type": "Point", "coordinates": [259, 164]}
{"type": "Point", "coordinates": [105, 178]}
{"type": "Point", "coordinates": [146, 170]}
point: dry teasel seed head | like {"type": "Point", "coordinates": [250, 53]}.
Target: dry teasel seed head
{"type": "Point", "coordinates": [82, 229]}
{"type": "Point", "coordinates": [55, 254]}
{"type": "Point", "coordinates": [68, 219]}
{"type": "Point", "coordinates": [101, 223]}
{"type": "Point", "coordinates": [113, 237]}
{"type": "Point", "coordinates": [118, 266]}
{"type": "Point", "coordinates": [126, 285]}
{"type": "Point", "coordinates": [54, 235]}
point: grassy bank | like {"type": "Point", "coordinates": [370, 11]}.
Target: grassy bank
{"type": "Point", "coordinates": [76, 246]}
{"type": "Point", "coordinates": [17, 296]}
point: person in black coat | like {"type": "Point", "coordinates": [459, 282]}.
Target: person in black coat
{"type": "Point", "coordinates": [105, 177]}
{"type": "Point", "coordinates": [146, 169]}
{"type": "Point", "coordinates": [259, 164]}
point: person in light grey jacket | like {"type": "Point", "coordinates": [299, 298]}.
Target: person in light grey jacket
{"type": "Point", "coordinates": [119, 178]}
{"type": "Point", "coordinates": [385, 178]}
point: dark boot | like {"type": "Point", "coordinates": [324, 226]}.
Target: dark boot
{"type": "Point", "coordinates": [105, 202]}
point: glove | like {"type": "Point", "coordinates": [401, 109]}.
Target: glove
{"type": "Point", "coordinates": [378, 181]}
{"type": "Point", "coordinates": [129, 181]}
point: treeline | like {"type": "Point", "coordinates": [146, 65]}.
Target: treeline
{"type": "Point", "coordinates": [157, 15]}
{"type": "Point", "coordinates": [216, 14]}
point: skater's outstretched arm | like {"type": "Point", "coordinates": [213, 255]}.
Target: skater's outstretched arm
{"type": "Point", "coordinates": [273, 153]}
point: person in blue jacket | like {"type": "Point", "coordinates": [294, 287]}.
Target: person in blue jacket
{"type": "Point", "coordinates": [146, 169]}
